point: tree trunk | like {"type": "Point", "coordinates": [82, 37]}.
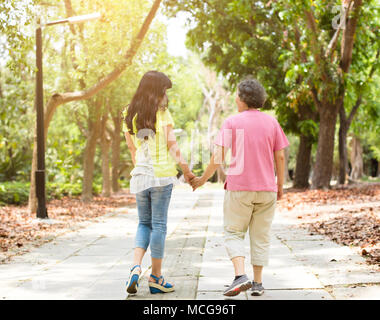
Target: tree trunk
{"type": "Point", "coordinates": [88, 166]}
{"type": "Point", "coordinates": [303, 165]}
{"type": "Point", "coordinates": [89, 152]}
{"type": "Point", "coordinates": [105, 146]}
{"type": "Point", "coordinates": [105, 143]}
{"type": "Point", "coordinates": [286, 173]}
{"type": "Point", "coordinates": [322, 171]}
{"type": "Point", "coordinates": [115, 145]}
{"type": "Point", "coordinates": [378, 168]}
{"type": "Point", "coordinates": [356, 159]}
{"type": "Point", "coordinates": [58, 99]}
{"type": "Point", "coordinates": [328, 111]}
{"type": "Point", "coordinates": [345, 123]}
{"type": "Point", "coordinates": [32, 203]}
{"type": "Point", "coordinates": [343, 159]}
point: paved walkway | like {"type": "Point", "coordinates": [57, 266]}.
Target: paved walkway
{"type": "Point", "coordinates": [93, 263]}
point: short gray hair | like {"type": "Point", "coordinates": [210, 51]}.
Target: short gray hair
{"type": "Point", "coordinates": [252, 93]}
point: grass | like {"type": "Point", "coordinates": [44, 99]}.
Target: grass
{"type": "Point", "coordinates": [370, 179]}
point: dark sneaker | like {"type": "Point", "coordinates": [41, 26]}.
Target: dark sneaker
{"type": "Point", "coordinates": [257, 289]}
{"type": "Point", "coordinates": [237, 286]}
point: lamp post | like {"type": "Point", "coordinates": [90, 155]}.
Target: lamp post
{"type": "Point", "coordinates": [39, 101]}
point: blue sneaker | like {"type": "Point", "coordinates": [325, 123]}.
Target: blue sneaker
{"type": "Point", "coordinates": [133, 281]}
{"type": "Point", "coordinates": [156, 287]}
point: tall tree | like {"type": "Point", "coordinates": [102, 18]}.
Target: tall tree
{"type": "Point", "coordinates": [329, 94]}
{"type": "Point", "coordinates": [236, 31]}
{"type": "Point", "coordinates": [216, 102]}
{"type": "Point", "coordinates": [58, 99]}
{"type": "Point", "coordinates": [16, 87]}
{"type": "Point", "coordinates": [244, 38]}
{"type": "Point", "coordinates": [358, 84]}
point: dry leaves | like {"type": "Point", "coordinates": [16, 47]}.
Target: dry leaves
{"type": "Point", "coordinates": [343, 195]}
{"type": "Point", "coordinates": [349, 216]}
{"type": "Point", "coordinates": [359, 230]}
{"type": "Point", "coordinates": [19, 228]}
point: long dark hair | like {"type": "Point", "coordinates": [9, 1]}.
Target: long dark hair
{"type": "Point", "coordinates": [146, 100]}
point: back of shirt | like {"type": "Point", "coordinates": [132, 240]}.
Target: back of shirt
{"type": "Point", "coordinates": [163, 163]}
{"type": "Point", "coordinates": [253, 136]}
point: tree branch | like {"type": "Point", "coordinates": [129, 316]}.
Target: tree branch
{"type": "Point", "coordinates": [334, 40]}
{"type": "Point", "coordinates": [348, 37]}
{"type": "Point", "coordinates": [297, 35]}
{"type": "Point", "coordinates": [310, 21]}
{"type": "Point", "coordinates": [314, 94]}
{"type": "Point", "coordinates": [61, 98]}
{"type": "Point", "coordinates": [360, 97]}
{"type": "Point", "coordinates": [80, 124]}
{"type": "Point", "coordinates": [354, 109]}
{"type": "Point", "coordinates": [110, 131]}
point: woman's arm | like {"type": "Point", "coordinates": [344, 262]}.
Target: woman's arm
{"type": "Point", "coordinates": [131, 146]}
{"type": "Point", "coordinates": [279, 158]}
{"type": "Point", "coordinates": [216, 160]}
{"type": "Point", "coordinates": [174, 150]}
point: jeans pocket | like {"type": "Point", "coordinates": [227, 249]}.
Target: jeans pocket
{"type": "Point", "coordinates": [164, 189]}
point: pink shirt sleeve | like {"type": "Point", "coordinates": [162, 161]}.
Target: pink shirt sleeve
{"type": "Point", "coordinates": [224, 137]}
{"type": "Point", "coordinates": [280, 140]}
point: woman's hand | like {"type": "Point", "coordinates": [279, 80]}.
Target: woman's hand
{"type": "Point", "coordinates": [280, 192]}
{"type": "Point", "coordinates": [188, 176]}
{"type": "Point", "coordinates": [197, 182]}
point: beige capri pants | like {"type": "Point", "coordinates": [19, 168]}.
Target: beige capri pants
{"type": "Point", "coordinates": [253, 210]}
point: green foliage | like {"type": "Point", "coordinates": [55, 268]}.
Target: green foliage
{"type": "Point", "coordinates": [308, 128]}
{"type": "Point", "coordinates": [72, 61]}
{"type": "Point", "coordinates": [14, 192]}
{"type": "Point", "coordinates": [15, 15]}
{"type": "Point", "coordinates": [16, 121]}
{"type": "Point", "coordinates": [58, 190]}
{"type": "Point", "coordinates": [244, 38]}
{"type": "Point", "coordinates": [367, 124]}
{"type": "Point", "coordinates": [18, 192]}
{"type": "Point", "coordinates": [274, 42]}
{"type": "Point", "coordinates": [185, 98]}
{"type": "Point", "coordinates": [237, 38]}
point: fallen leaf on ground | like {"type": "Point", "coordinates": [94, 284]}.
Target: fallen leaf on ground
{"type": "Point", "coordinates": [20, 228]}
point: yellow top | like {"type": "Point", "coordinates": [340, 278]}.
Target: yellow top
{"type": "Point", "coordinates": [163, 163]}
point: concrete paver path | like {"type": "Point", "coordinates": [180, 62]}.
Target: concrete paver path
{"type": "Point", "coordinates": [94, 262]}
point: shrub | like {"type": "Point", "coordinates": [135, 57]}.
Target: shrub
{"type": "Point", "coordinates": [16, 192]}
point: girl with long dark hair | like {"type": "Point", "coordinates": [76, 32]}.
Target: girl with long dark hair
{"type": "Point", "coordinates": [148, 129]}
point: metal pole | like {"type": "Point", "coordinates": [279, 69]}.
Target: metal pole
{"type": "Point", "coordinates": [40, 172]}
{"type": "Point", "coordinates": [39, 101]}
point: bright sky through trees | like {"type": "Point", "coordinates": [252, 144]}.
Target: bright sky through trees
{"type": "Point", "coordinates": [176, 34]}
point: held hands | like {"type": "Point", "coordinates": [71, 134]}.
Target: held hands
{"type": "Point", "coordinates": [194, 181]}
{"type": "Point", "coordinates": [188, 176]}
{"type": "Point", "coordinates": [197, 182]}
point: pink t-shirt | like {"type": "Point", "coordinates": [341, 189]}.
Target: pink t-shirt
{"type": "Point", "coordinates": [253, 137]}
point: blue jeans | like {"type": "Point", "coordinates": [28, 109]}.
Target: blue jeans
{"type": "Point", "coordinates": [152, 207]}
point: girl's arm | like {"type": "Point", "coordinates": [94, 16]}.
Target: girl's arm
{"type": "Point", "coordinates": [174, 150]}
{"type": "Point", "coordinates": [131, 146]}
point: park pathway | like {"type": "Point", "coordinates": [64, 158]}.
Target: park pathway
{"type": "Point", "coordinates": [93, 262]}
